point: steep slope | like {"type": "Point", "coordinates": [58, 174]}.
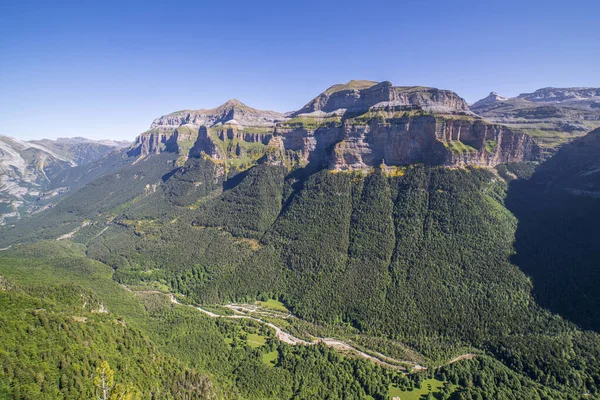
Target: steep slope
{"type": "Point", "coordinates": [552, 116]}
{"type": "Point", "coordinates": [377, 225]}
{"type": "Point", "coordinates": [356, 126]}
{"type": "Point", "coordinates": [556, 243]}
{"type": "Point", "coordinates": [29, 171]}
{"type": "Point", "coordinates": [176, 132]}
{"type": "Point", "coordinates": [422, 258]}
{"type": "Point", "coordinates": [359, 96]}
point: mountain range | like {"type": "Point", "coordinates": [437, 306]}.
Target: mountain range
{"type": "Point", "coordinates": [29, 170]}
{"type": "Point", "coordinates": [382, 241]}
{"type": "Point", "coordinates": [552, 116]}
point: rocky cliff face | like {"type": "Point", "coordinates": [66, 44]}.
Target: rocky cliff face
{"type": "Point", "coordinates": [179, 131]}
{"type": "Point", "coordinates": [355, 126]}
{"type": "Point", "coordinates": [359, 96]}
{"type": "Point", "coordinates": [361, 144]}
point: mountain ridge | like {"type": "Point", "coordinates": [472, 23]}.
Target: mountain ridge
{"type": "Point", "coordinates": [353, 126]}
{"type": "Point", "coordinates": [29, 168]}
{"type": "Point", "coordinates": [552, 116]}
{"type": "Point", "coordinates": [420, 259]}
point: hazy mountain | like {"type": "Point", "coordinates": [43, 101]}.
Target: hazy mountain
{"type": "Point", "coordinates": [29, 169]}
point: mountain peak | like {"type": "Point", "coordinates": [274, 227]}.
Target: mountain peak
{"type": "Point", "coordinates": [491, 98]}
{"type": "Point", "coordinates": [351, 85]}
{"type": "Point", "coordinates": [232, 103]}
{"type": "Point", "coordinates": [361, 95]}
{"type": "Point", "coordinates": [232, 109]}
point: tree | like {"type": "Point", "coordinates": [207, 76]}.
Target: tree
{"type": "Point", "coordinates": [104, 380]}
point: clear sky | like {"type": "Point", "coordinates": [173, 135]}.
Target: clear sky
{"type": "Point", "coordinates": [105, 69]}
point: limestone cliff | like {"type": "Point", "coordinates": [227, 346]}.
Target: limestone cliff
{"type": "Point", "coordinates": [178, 132]}
{"type": "Point", "coordinates": [233, 110]}
{"type": "Point", "coordinates": [355, 126]}
{"type": "Point", "coordinates": [403, 138]}
{"type": "Point", "coordinates": [359, 96]}
{"type": "Point", "coordinates": [429, 139]}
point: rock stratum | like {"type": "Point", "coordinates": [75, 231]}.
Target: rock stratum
{"type": "Point", "coordinates": [355, 126]}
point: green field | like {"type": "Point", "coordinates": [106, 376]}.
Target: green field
{"type": "Point", "coordinates": [273, 305]}
{"type": "Point", "coordinates": [270, 358]}
{"type": "Point", "coordinates": [428, 385]}
{"type": "Point", "coordinates": [255, 340]}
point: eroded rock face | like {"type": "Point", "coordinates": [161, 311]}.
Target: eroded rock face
{"type": "Point", "coordinates": [355, 126]}
{"type": "Point", "coordinates": [359, 97]}
{"type": "Point", "coordinates": [177, 132]}
{"type": "Point", "coordinates": [306, 145]}
{"type": "Point", "coordinates": [429, 140]}
{"type": "Point", "coordinates": [358, 144]}
{"type": "Point", "coordinates": [232, 110]}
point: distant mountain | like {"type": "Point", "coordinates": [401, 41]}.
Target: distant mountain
{"type": "Point", "coordinates": [492, 98]}
{"type": "Point", "coordinates": [552, 116]}
{"type": "Point", "coordinates": [28, 169]}
{"type": "Point", "coordinates": [561, 95]}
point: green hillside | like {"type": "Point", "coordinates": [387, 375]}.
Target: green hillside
{"type": "Point", "coordinates": [417, 268]}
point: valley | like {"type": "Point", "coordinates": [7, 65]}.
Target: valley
{"type": "Point", "coordinates": [381, 241]}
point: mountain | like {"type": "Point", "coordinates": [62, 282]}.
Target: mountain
{"type": "Point", "coordinates": [552, 116]}
{"type": "Point", "coordinates": [177, 132]}
{"type": "Point", "coordinates": [378, 242]}
{"type": "Point", "coordinates": [562, 95]}
{"type": "Point", "coordinates": [30, 169]}
{"type": "Point", "coordinates": [359, 96]}
{"type": "Point", "coordinates": [492, 98]}
{"type": "Point", "coordinates": [355, 126]}
{"type": "Point", "coordinates": [559, 211]}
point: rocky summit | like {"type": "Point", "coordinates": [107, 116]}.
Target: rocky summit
{"type": "Point", "coordinates": [360, 96]}
{"type": "Point", "coordinates": [354, 126]}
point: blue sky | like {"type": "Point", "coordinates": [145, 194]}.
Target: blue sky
{"type": "Point", "coordinates": [105, 69]}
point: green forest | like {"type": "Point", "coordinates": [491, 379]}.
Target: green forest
{"type": "Point", "coordinates": [423, 265]}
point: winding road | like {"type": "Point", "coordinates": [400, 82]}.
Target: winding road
{"type": "Point", "coordinates": [241, 313]}
{"type": "Point", "coordinates": [292, 340]}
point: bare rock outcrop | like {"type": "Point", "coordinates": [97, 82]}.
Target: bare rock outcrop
{"type": "Point", "coordinates": [231, 110]}
{"type": "Point", "coordinates": [429, 139]}
{"type": "Point", "coordinates": [178, 132]}
{"type": "Point", "coordinates": [359, 96]}
{"type": "Point", "coordinates": [355, 126]}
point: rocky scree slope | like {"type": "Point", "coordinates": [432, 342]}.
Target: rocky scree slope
{"type": "Point", "coordinates": [355, 126]}
{"type": "Point", "coordinates": [29, 169]}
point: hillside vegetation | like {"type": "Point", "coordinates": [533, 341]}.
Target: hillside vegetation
{"type": "Point", "coordinates": [424, 264]}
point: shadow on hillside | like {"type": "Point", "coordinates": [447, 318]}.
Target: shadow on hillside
{"type": "Point", "coordinates": [557, 241]}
